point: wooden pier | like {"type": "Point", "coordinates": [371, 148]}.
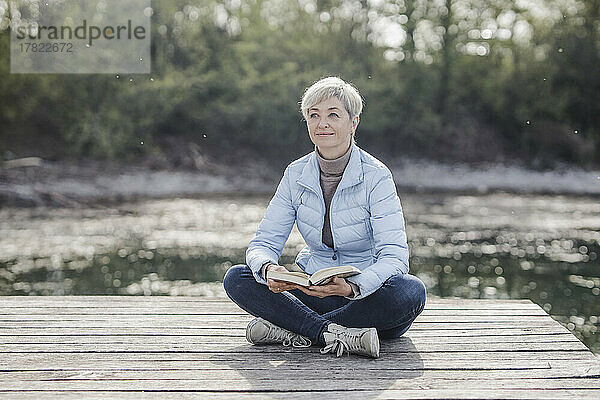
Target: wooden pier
{"type": "Point", "coordinates": [109, 347]}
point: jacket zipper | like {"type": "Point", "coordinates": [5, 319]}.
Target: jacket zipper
{"type": "Point", "coordinates": [335, 256]}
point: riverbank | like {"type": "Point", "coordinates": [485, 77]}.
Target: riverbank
{"type": "Point", "coordinates": [70, 184]}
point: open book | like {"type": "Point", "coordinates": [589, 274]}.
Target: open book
{"type": "Point", "coordinates": [321, 277]}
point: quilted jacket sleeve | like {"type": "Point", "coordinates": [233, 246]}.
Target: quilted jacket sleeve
{"type": "Point", "coordinates": [389, 235]}
{"type": "Point", "coordinates": [273, 231]}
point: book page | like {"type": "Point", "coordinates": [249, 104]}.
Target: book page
{"type": "Point", "coordinates": [300, 278]}
{"type": "Point", "coordinates": [342, 271]}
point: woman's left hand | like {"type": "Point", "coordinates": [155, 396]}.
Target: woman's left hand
{"type": "Point", "coordinates": [337, 287]}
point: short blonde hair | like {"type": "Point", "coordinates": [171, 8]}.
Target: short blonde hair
{"type": "Point", "coordinates": [328, 87]}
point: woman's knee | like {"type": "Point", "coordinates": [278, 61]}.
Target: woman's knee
{"type": "Point", "coordinates": [419, 291]}
{"type": "Point", "coordinates": [412, 293]}
{"type": "Point", "coordinates": [233, 279]}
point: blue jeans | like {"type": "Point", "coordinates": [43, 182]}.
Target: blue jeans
{"type": "Point", "coordinates": [391, 309]}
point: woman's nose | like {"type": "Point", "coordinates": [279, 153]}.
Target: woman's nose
{"type": "Point", "coordinates": [322, 124]}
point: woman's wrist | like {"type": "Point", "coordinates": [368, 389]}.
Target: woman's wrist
{"type": "Point", "coordinates": [349, 291]}
{"type": "Point", "coordinates": [265, 268]}
{"type": "Point", "coordinates": [355, 289]}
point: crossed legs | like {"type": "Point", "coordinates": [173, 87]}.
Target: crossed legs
{"type": "Point", "coordinates": [391, 309]}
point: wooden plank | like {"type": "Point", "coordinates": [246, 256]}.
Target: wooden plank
{"type": "Point", "coordinates": [416, 394]}
{"type": "Point", "coordinates": [203, 310]}
{"type": "Point", "coordinates": [257, 381]}
{"type": "Point", "coordinates": [42, 302]}
{"type": "Point", "coordinates": [198, 323]}
{"type": "Point", "coordinates": [396, 363]}
{"type": "Point", "coordinates": [436, 331]}
{"type": "Point", "coordinates": [435, 346]}
{"type": "Point", "coordinates": [308, 374]}
{"type": "Point", "coordinates": [238, 330]}
{"type": "Point", "coordinates": [229, 309]}
{"type": "Point", "coordinates": [46, 360]}
{"type": "Point", "coordinates": [355, 395]}
{"type": "Point", "coordinates": [195, 299]}
{"type": "Point", "coordinates": [170, 302]}
{"type": "Point", "coordinates": [191, 317]}
{"type": "Point", "coordinates": [207, 340]}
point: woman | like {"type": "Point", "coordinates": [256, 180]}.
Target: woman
{"type": "Point", "coordinates": [344, 203]}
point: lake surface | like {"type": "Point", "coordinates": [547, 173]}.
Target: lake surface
{"type": "Point", "coordinates": [504, 246]}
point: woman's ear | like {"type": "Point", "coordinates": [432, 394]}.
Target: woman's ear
{"type": "Point", "coordinates": [355, 122]}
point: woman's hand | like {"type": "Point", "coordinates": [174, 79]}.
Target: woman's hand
{"type": "Point", "coordinates": [278, 286]}
{"type": "Point", "coordinates": [337, 287]}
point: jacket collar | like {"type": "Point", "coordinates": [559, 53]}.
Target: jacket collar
{"type": "Point", "coordinates": [353, 174]}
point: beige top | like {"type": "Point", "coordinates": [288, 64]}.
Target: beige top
{"type": "Point", "coordinates": [331, 175]}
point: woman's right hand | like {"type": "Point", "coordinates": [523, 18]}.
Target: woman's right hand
{"type": "Point", "coordinates": [278, 286]}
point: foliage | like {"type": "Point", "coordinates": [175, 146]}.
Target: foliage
{"type": "Point", "coordinates": [447, 79]}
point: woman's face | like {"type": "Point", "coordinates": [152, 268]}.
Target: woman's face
{"type": "Point", "coordinates": [330, 127]}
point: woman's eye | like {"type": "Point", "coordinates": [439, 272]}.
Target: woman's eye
{"type": "Point", "coordinates": [313, 115]}
{"type": "Point", "coordinates": [334, 114]}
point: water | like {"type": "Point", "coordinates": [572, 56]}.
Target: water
{"type": "Point", "coordinates": [543, 248]}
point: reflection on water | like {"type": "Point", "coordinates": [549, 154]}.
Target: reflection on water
{"type": "Point", "coordinates": [543, 248]}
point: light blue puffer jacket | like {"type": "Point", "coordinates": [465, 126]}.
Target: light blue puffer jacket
{"type": "Point", "coordinates": [366, 222]}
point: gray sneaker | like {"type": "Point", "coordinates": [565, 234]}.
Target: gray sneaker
{"type": "Point", "coordinates": [361, 341]}
{"type": "Point", "coordinates": [261, 331]}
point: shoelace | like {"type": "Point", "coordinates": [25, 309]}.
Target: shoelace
{"type": "Point", "coordinates": [344, 342]}
{"type": "Point", "coordinates": [297, 341]}
{"type": "Point", "coordinates": [288, 338]}
{"type": "Point", "coordinates": [337, 346]}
